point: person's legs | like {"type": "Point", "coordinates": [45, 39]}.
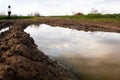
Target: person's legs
{"type": "Point", "coordinates": [9, 13]}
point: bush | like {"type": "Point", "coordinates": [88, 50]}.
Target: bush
{"type": "Point", "coordinates": [103, 15]}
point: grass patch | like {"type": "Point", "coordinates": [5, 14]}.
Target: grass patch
{"type": "Point", "coordinates": [88, 17]}
{"type": "Point", "coordinates": [94, 17]}
{"type": "Point", "coordinates": [19, 17]}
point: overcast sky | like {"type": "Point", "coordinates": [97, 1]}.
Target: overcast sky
{"type": "Point", "coordinates": [59, 7]}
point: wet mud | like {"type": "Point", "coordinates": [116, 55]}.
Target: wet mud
{"type": "Point", "coordinates": [21, 60]}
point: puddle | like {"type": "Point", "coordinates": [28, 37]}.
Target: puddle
{"type": "Point", "coordinates": [89, 55]}
{"type": "Point", "coordinates": [4, 29]}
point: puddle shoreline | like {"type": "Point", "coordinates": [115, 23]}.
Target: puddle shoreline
{"type": "Point", "coordinates": [21, 60]}
{"type": "Point", "coordinates": [68, 23]}
{"type": "Point", "coordinates": [4, 29]}
{"type": "Point", "coordinates": [96, 52]}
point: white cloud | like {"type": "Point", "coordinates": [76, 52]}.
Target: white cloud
{"type": "Point", "coordinates": [57, 7]}
{"type": "Point", "coordinates": [1, 1]}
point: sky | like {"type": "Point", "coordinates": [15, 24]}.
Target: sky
{"type": "Point", "coordinates": [59, 7]}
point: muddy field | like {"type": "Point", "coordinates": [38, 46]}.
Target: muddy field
{"type": "Point", "coordinates": [21, 60]}
{"type": "Point", "coordinates": [107, 26]}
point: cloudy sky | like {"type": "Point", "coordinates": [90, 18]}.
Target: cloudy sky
{"type": "Point", "coordinates": [59, 7]}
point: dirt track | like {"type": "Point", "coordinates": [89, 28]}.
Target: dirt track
{"type": "Point", "coordinates": [69, 23]}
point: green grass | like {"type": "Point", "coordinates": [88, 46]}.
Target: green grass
{"type": "Point", "coordinates": [94, 17]}
{"type": "Point", "coordinates": [89, 18]}
{"type": "Point", "coordinates": [18, 17]}
{"type": "Point", "coordinates": [3, 17]}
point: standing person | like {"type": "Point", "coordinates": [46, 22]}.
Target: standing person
{"type": "Point", "coordinates": [9, 12]}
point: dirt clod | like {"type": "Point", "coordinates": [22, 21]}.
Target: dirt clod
{"type": "Point", "coordinates": [21, 60]}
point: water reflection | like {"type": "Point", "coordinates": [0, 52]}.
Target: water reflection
{"type": "Point", "coordinates": [4, 29]}
{"type": "Point", "coordinates": [89, 55]}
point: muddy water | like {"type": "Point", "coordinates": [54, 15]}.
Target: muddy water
{"type": "Point", "coordinates": [89, 55]}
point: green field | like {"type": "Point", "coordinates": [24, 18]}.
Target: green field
{"type": "Point", "coordinates": [18, 17]}
{"type": "Point", "coordinates": [94, 17]}
{"type": "Point", "coordinates": [88, 17]}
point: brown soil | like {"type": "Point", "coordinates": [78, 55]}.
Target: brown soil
{"type": "Point", "coordinates": [107, 26]}
{"type": "Point", "coordinates": [21, 60]}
